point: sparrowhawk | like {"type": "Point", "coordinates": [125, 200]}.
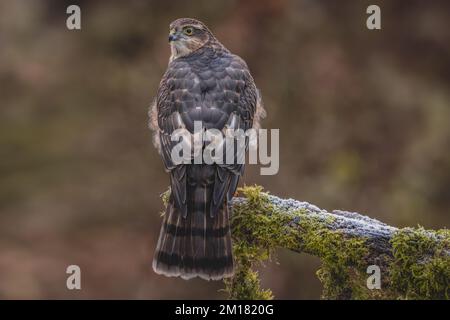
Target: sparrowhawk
{"type": "Point", "coordinates": [204, 82]}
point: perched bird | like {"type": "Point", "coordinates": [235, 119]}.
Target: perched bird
{"type": "Point", "coordinates": [204, 82]}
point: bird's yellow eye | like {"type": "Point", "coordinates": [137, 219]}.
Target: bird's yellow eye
{"type": "Point", "coordinates": [188, 31]}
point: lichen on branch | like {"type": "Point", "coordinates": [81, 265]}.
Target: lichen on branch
{"type": "Point", "coordinates": [414, 262]}
{"type": "Point", "coordinates": [421, 265]}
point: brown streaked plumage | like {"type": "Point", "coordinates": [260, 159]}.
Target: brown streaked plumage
{"type": "Point", "coordinates": [203, 82]}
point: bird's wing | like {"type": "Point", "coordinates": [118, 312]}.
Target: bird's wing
{"type": "Point", "coordinates": [239, 80]}
{"type": "Point", "coordinates": [221, 96]}
{"type": "Point", "coordinates": [167, 119]}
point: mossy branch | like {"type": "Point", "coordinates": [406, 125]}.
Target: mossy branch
{"type": "Point", "coordinates": [414, 262]}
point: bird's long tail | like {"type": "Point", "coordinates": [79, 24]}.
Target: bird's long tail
{"type": "Point", "coordinates": [197, 245]}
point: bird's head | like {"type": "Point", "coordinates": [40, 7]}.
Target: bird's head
{"type": "Point", "coordinates": [187, 35]}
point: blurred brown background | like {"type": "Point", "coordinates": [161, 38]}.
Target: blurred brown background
{"type": "Point", "coordinates": [363, 115]}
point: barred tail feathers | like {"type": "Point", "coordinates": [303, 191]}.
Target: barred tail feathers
{"type": "Point", "coordinates": [197, 245]}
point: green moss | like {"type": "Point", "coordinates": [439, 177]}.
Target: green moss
{"type": "Point", "coordinates": [421, 265]}
{"type": "Point", "coordinates": [258, 229]}
{"type": "Point", "coordinates": [165, 197]}
{"type": "Point", "coordinates": [245, 284]}
{"type": "Point", "coordinates": [343, 258]}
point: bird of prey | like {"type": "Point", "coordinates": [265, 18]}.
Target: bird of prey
{"type": "Point", "coordinates": [204, 82]}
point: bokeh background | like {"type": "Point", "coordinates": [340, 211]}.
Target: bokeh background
{"type": "Point", "coordinates": [364, 120]}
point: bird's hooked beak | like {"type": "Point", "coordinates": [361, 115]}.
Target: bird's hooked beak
{"type": "Point", "coordinates": [173, 36]}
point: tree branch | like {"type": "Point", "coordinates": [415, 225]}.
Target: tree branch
{"type": "Point", "coordinates": [414, 262]}
{"type": "Point", "coordinates": [351, 224]}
